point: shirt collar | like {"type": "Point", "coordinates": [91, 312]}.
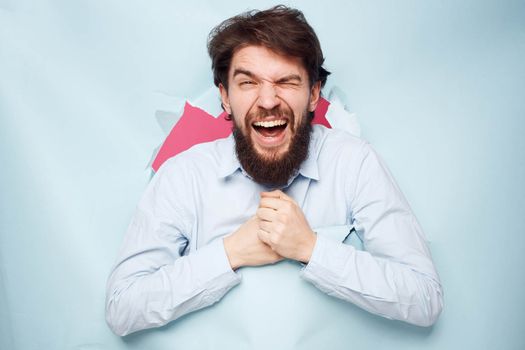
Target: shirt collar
{"type": "Point", "coordinates": [309, 169]}
{"type": "Point", "coordinates": [229, 162]}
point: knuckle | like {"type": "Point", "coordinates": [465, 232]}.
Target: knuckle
{"type": "Point", "coordinates": [262, 234]}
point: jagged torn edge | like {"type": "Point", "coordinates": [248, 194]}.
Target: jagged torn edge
{"type": "Point", "coordinates": [170, 109]}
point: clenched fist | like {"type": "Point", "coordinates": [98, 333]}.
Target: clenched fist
{"type": "Point", "coordinates": [284, 228]}
{"type": "Point", "coordinates": [244, 248]}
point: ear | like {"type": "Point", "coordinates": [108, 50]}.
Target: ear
{"type": "Point", "coordinates": [315, 95]}
{"type": "Point", "coordinates": [225, 99]}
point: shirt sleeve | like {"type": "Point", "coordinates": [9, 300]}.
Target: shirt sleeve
{"type": "Point", "coordinates": [394, 276]}
{"type": "Point", "coordinates": [155, 279]}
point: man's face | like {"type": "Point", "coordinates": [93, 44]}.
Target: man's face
{"type": "Point", "coordinates": [269, 96]}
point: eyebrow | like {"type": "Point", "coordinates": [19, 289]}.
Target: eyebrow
{"type": "Point", "coordinates": [238, 71]}
{"type": "Point", "coordinates": [284, 79]}
{"type": "Point", "coordinates": [289, 78]}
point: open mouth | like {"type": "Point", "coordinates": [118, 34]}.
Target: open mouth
{"type": "Point", "coordinates": [271, 128]}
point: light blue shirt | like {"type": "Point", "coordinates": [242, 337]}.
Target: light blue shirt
{"type": "Point", "coordinates": [173, 262]}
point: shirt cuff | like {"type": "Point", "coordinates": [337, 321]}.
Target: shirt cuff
{"type": "Point", "coordinates": [211, 264]}
{"type": "Point", "coordinates": [328, 261]}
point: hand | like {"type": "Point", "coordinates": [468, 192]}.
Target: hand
{"type": "Point", "coordinates": [244, 248]}
{"type": "Point", "coordinates": [284, 228]}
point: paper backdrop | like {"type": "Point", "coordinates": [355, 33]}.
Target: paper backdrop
{"type": "Point", "coordinates": [438, 89]}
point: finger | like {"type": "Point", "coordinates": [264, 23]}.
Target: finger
{"type": "Point", "coordinates": [286, 197]}
{"type": "Point", "coordinates": [267, 226]}
{"type": "Point", "coordinates": [264, 236]}
{"type": "Point", "coordinates": [277, 194]}
{"type": "Point", "coordinates": [267, 214]}
{"type": "Point", "coordinates": [272, 203]}
{"type": "Point", "coordinates": [272, 194]}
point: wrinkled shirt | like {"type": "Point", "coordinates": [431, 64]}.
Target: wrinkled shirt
{"type": "Point", "coordinates": [173, 261]}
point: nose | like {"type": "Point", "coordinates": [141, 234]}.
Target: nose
{"type": "Point", "coordinates": [268, 98]}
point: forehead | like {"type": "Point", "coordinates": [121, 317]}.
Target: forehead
{"type": "Point", "coordinates": [266, 63]}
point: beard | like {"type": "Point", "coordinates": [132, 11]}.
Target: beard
{"type": "Point", "coordinates": [273, 169]}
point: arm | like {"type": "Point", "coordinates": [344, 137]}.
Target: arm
{"type": "Point", "coordinates": [155, 279]}
{"type": "Point", "coordinates": [395, 277]}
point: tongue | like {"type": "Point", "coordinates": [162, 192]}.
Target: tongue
{"type": "Point", "coordinates": [271, 132]}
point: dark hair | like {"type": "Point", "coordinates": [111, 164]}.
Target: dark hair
{"type": "Point", "coordinates": [280, 29]}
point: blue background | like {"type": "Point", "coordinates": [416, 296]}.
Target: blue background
{"type": "Point", "coordinates": [438, 88]}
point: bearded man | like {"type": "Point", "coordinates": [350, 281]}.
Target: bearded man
{"type": "Point", "coordinates": [253, 198]}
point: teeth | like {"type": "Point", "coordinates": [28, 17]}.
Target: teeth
{"type": "Point", "coordinates": [270, 124]}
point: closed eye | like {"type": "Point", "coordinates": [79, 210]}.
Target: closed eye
{"type": "Point", "coordinates": [288, 83]}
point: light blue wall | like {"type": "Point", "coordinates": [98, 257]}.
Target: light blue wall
{"type": "Point", "coordinates": [438, 88]}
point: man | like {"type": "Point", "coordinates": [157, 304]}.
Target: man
{"type": "Point", "coordinates": [253, 198]}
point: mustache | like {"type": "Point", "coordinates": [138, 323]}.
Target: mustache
{"type": "Point", "coordinates": [262, 113]}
